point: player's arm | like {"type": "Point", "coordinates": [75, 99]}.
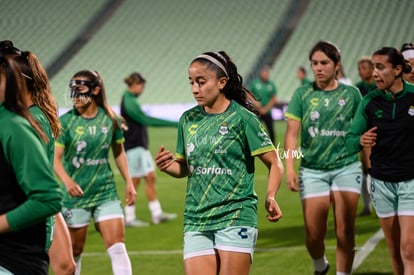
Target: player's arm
{"type": "Point", "coordinates": [291, 142]}
{"type": "Point", "coordinates": [166, 162]}
{"type": "Point", "coordinates": [274, 180]}
{"type": "Point", "coordinates": [28, 159]}
{"type": "Point", "coordinates": [135, 112]}
{"type": "Point", "coordinates": [71, 186]}
{"type": "Point", "coordinates": [122, 164]}
{"type": "Point", "coordinates": [269, 105]}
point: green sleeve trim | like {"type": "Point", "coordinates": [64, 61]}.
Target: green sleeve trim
{"type": "Point", "coordinates": [263, 150]}
{"type": "Point", "coordinates": [292, 116]}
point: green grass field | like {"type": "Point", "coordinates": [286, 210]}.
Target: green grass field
{"type": "Point", "coordinates": [280, 247]}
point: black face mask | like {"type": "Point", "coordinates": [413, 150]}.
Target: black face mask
{"type": "Point", "coordinates": [74, 89]}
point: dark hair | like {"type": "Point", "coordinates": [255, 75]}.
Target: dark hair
{"type": "Point", "coordinates": [15, 92]}
{"type": "Point", "coordinates": [395, 58]}
{"type": "Point", "coordinates": [37, 82]}
{"type": "Point", "coordinates": [234, 89]}
{"type": "Point", "coordinates": [100, 99]}
{"type": "Point", "coordinates": [134, 78]}
{"type": "Point", "coordinates": [302, 69]}
{"type": "Point", "coordinates": [407, 46]}
{"type": "Point", "coordinates": [328, 48]}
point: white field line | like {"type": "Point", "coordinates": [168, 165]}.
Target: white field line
{"type": "Point", "coordinates": [363, 252]}
{"type": "Point", "coordinates": [169, 252]}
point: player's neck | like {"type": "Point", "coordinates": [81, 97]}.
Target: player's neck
{"type": "Point", "coordinates": [89, 111]}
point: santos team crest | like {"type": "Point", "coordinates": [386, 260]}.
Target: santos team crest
{"type": "Point", "coordinates": [411, 110]}
{"type": "Point", "coordinates": [224, 129]}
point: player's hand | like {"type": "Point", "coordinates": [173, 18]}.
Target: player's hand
{"type": "Point", "coordinates": [292, 181]}
{"type": "Point", "coordinates": [368, 139]}
{"type": "Point", "coordinates": [73, 189]}
{"type": "Point", "coordinates": [164, 159]}
{"type": "Point", "coordinates": [130, 194]}
{"type": "Point", "coordinates": [273, 210]}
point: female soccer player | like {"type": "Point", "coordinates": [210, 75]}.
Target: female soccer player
{"type": "Point", "coordinates": [29, 193]}
{"type": "Point", "coordinates": [216, 146]}
{"type": "Point", "coordinates": [89, 131]}
{"type": "Point", "coordinates": [322, 111]}
{"type": "Point", "coordinates": [384, 123]}
{"type": "Point", "coordinates": [42, 107]}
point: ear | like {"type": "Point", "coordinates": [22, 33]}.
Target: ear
{"type": "Point", "coordinates": [398, 70]}
{"type": "Point", "coordinates": [222, 82]}
{"type": "Point", "coordinates": [96, 90]}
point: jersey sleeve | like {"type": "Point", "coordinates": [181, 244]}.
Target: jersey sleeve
{"type": "Point", "coordinates": [357, 128]}
{"type": "Point", "coordinates": [134, 111]}
{"type": "Point", "coordinates": [28, 159]}
{"type": "Point", "coordinates": [258, 140]}
{"type": "Point", "coordinates": [60, 141]}
{"type": "Point", "coordinates": [295, 110]}
{"type": "Point", "coordinates": [180, 149]}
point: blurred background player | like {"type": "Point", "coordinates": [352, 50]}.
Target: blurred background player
{"type": "Point", "coordinates": [365, 85]}
{"type": "Point", "coordinates": [140, 161]}
{"type": "Point", "coordinates": [407, 50]}
{"type": "Point", "coordinates": [264, 90]}
{"type": "Point", "coordinates": [302, 75]}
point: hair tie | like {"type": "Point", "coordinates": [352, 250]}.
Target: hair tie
{"type": "Point", "coordinates": [408, 54]}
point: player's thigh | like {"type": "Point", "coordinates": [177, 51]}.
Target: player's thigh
{"type": "Point", "coordinates": [61, 252]}
{"type": "Point", "coordinates": [200, 257]}
{"type": "Point", "coordinates": [234, 263]}
{"type": "Point", "coordinates": [109, 221]}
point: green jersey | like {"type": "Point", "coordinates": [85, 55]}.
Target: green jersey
{"type": "Point", "coordinates": [219, 150]}
{"type": "Point", "coordinates": [29, 194]}
{"type": "Point", "coordinates": [263, 91]}
{"type": "Point", "coordinates": [87, 142]}
{"type": "Point", "coordinates": [49, 147]}
{"type": "Point", "coordinates": [325, 117]}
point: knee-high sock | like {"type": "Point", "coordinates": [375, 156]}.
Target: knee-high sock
{"type": "Point", "coordinates": [78, 264]}
{"type": "Point", "coordinates": [121, 264]}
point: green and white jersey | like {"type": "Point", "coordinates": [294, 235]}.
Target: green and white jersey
{"type": "Point", "coordinates": [219, 150]}
{"type": "Point", "coordinates": [325, 117]}
{"type": "Point", "coordinates": [87, 142]}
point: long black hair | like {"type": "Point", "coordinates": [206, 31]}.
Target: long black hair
{"type": "Point", "coordinates": [234, 89]}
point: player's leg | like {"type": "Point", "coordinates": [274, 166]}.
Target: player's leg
{"type": "Point", "coordinates": [391, 228]}
{"type": "Point", "coordinates": [154, 205]}
{"type": "Point", "coordinates": [60, 253]}
{"type": "Point", "coordinates": [136, 172]}
{"type": "Point", "coordinates": [314, 190]}
{"type": "Point", "coordinates": [235, 246]}
{"type": "Point", "coordinates": [77, 221]}
{"type": "Point", "coordinates": [384, 196]}
{"type": "Point", "coordinates": [406, 221]}
{"type": "Point", "coordinates": [109, 221]}
{"type": "Point", "coordinates": [345, 207]}
{"type": "Point", "coordinates": [200, 257]}
{"type": "Point", "coordinates": [346, 188]}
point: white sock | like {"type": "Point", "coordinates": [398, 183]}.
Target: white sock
{"type": "Point", "coordinates": [78, 264]}
{"type": "Point", "coordinates": [155, 208]}
{"type": "Point", "coordinates": [121, 264]}
{"type": "Point", "coordinates": [130, 213]}
{"type": "Point", "coordinates": [320, 264]}
{"type": "Point", "coordinates": [342, 273]}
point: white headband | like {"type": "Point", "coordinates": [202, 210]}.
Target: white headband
{"type": "Point", "coordinates": [215, 61]}
{"type": "Point", "coordinates": [408, 54]}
